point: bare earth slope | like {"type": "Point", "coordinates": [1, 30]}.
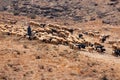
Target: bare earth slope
{"type": "Point", "coordinates": [23, 59]}
{"type": "Point", "coordinates": [54, 54]}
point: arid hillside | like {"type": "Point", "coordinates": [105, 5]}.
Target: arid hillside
{"type": "Point", "coordinates": [71, 40]}
{"type": "Point", "coordinates": [77, 10]}
{"type": "Point", "coordinates": [53, 53]}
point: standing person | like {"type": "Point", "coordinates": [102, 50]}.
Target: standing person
{"type": "Point", "coordinates": [29, 32]}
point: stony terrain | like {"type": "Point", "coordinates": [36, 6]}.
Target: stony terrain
{"type": "Point", "coordinates": [42, 59]}
{"type": "Point", "coordinates": [55, 51]}
{"type": "Point", "coordinates": [77, 10]}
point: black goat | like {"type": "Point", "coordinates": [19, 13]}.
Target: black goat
{"type": "Point", "coordinates": [71, 30]}
{"type": "Point", "coordinates": [103, 39]}
{"type": "Point", "coordinates": [81, 45]}
{"type": "Point", "coordinates": [100, 48]}
{"type": "Point", "coordinates": [54, 30]}
{"type": "Point", "coordinates": [116, 52]}
{"type": "Point", "coordinates": [80, 35]}
{"type": "Point", "coordinates": [42, 25]}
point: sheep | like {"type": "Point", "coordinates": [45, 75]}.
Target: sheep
{"type": "Point", "coordinates": [54, 31]}
{"type": "Point", "coordinates": [87, 43]}
{"type": "Point", "coordinates": [2, 28]}
{"type": "Point", "coordinates": [71, 30]}
{"type": "Point", "coordinates": [34, 23]}
{"type": "Point", "coordinates": [39, 29]}
{"type": "Point", "coordinates": [86, 33]}
{"type": "Point", "coordinates": [74, 39]}
{"type": "Point", "coordinates": [99, 48]}
{"type": "Point", "coordinates": [46, 39]}
{"type": "Point", "coordinates": [96, 43]}
{"type": "Point", "coordinates": [69, 39]}
{"type": "Point", "coordinates": [42, 25]}
{"type": "Point", "coordinates": [103, 38]}
{"type": "Point", "coordinates": [63, 31]}
{"type": "Point", "coordinates": [37, 35]}
{"type": "Point", "coordinates": [61, 40]}
{"type": "Point", "coordinates": [62, 34]}
{"type": "Point", "coordinates": [65, 42]}
{"type": "Point", "coordinates": [96, 32]}
{"type": "Point", "coordinates": [48, 30]}
{"type": "Point", "coordinates": [71, 45]}
{"type": "Point", "coordinates": [12, 21]}
{"type": "Point", "coordinates": [65, 28]}
{"type": "Point", "coordinates": [91, 34]}
{"type": "Point", "coordinates": [54, 26]}
{"type": "Point", "coordinates": [54, 41]}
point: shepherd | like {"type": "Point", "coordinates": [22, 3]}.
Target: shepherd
{"type": "Point", "coordinates": [29, 32]}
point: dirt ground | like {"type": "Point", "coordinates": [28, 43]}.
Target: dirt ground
{"type": "Point", "coordinates": [23, 59]}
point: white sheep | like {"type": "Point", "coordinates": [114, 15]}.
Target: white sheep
{"type": "Point", "coordinates": [34, 23]}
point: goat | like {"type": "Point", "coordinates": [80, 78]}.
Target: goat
{"type": "Point", "coordinates": [71, 30]}
{"type": "Point", "coordinates": [99, 47]}
{"type": "Point", "coordinates": [103, 39]}
{"type": "Point", "coordinates": [81, 45]}
{"type": "Point", "coordinates": [116, 50]}
{"type": "Point", "coordinates": [42, 25]}
{"type": "Point", "coordinates": [80, 35]}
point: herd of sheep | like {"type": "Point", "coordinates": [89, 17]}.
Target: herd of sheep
{"type": "Point", "coordinates": [75, 38]}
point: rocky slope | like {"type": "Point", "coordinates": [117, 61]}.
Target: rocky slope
{"type": "Point", "coordinates": [77, 10]}
{"type": "Point", "coordinates": [23, 59]}
{"type": "Point", "coordinates": [55, 51]}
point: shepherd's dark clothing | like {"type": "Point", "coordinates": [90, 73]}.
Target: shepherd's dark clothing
{"type": "Point", "coordinates": [29, 32]}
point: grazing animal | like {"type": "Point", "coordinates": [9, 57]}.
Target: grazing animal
{"type": "Point", "coordinates": [71, 30]}
{"type": "Point", "coordinates": [54, 30]}
{"type": "Point", "coordinates": [103, 39]}
{"type": "Point", "coordinates": [80, 35]}
{"type": "Point", "coordinates": [116, 52]}
{"type": "Point", "coordinates": [99, 48]}
{"type": "Point", "coordinates": [81, 45]}
{"type": "Point", "coordinates": [42, 25]}
{"type": "Point", "coordinates": [54, 41]}
{"type": "Point", "coordinates": [32, 23]}
{"type": "Point", "coordinates": [86, 33]}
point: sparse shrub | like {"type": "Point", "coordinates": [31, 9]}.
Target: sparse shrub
{"type": "Point", "coordinates": [4, 8]}
{"type": "Point", "coordinates": [32, 16]}
{"type": "Point", "coordinates": [16, 12]}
